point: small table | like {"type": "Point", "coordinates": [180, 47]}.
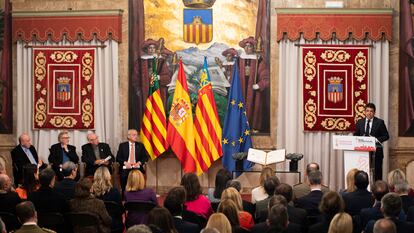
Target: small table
{"type": "Point", "coordinates": [258, 171]}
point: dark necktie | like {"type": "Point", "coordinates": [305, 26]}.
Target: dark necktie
{"type": "Point", "coordinates": [367, 128]}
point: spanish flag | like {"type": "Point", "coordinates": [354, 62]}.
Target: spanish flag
{"type": "Point", "coordinates": [207, 123]}
{"type": "Point", "coordinates": [180, 133]}
{"type": "Point", "coordinates": [153, 129]}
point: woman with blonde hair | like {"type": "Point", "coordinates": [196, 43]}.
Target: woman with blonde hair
{"type": "Point", "coordinates": [259, 193]}
{"type": "Point", "coordinates": [341, 223]}
{"type": "Point", "coordinates": [350, 182]}
{"type": "Point", "coordinates": [220, 222]}
{"type": "Point", "coordinates": [245, 218]}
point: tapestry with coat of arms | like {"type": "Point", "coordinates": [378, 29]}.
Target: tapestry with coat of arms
{"type": "Point", "coordinates": [63, 87]}
{"type": "Point", "coordinates": [335, 86]}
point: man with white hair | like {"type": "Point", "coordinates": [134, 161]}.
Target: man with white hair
{"type": "Point", "coordinates": [131, 155]}
{"type": "Point", "coordinates": [96, 154]}
{"type": "Point", "coordinates": [62, 152]}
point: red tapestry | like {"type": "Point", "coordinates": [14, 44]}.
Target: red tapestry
{"type": "Point", "coordinates": [335, 86]}
{"type": "Point", "coordinates": [63, 86]}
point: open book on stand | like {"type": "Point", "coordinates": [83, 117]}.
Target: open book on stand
{"type": "Point", "coordinates": [266, 158]}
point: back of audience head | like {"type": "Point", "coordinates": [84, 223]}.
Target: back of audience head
{"type": "Point", "coordinates": [30, 176]}
{"type": "Point", "coordinates": [311, 167]}
{"type": "Point", "coordinates": [385, 226]}
{"type": "Point", "coordinates": [285, 190]}
{"type": "Point", "coordinates": [229, 209]}
{"type": "Point", "coordinates": [395, 176]}
{"type": "Point", "coordinates": [341, 223]}
{"type": "Point", "coordinates": [135, 182]}
{"type": "Point", "coordinates": [350, 180]}
{"type": "Point", "coordinates": [315, 178]}
{"type": "Point", "coordinates": [401, 187]}
{"type": "Point", "coordinates": [83, 188]}
{"type": "Point", "coordinates": [234, 184]}
{"type": "Point", "coordinates": [278, 217]}
{"type": "Point", "coordinates": [162, 218]}
{"type": "Point", "coordinates": [391, 205]}
{"type": "Point", "coordinates": [5, 183]}
{"type": "Point", "coordinates": [379, 189]}
{"type": "Point", "coordinates": [102, 181]}
{"type": "Point", "coordinates": [361, 180]}
{"type": "Point", "coordinates": [192, 186]}
{"type": "Point", "coordinates": [270, 185]}
{"type": "Point", "coordinates": [210, 230]}
{"type": "Point", "coordinates": [141, 228]}
{"type": "Point", "coordinates": [331, 204]}
{"type": "Point", "coordinates": [234, 195]}
{"type": "Point", "coordinates": [222, 177]}
{"type": "Point", "coordinates": [47, 177]}
{"type": "Point", "coordinates": [69, 169]}
{"type": "Point", "coordinates": [277, 200]}
{"type": "Point", "coordinates": [26, 212]}
{"type": "Point", "coordinates": [175, 200]}
{"type": "Point", "coordinates": [266, 173]}
{"type": "Point", "coordinates": [219, 222]}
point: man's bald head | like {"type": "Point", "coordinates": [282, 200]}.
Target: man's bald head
{"type": "Point", "coordinates": [312, 167]}
{"type": "Point", "coordinates": [24, 140]}
{"type": "Point", "coordinates": [384, 226]}
{"type": "Point", "coordinates": [5, 182]}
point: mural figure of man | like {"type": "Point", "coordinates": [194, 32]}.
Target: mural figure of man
{"type": "Point", "coordinates": [228, 64]}
{"type": "Point", "coordinates": [254, 79]}
{"type": "Point", "coordinates": [155, 50]}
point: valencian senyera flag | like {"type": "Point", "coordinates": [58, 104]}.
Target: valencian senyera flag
{"type": "Point", "coordinates": [207, 123]}
{"type": "Point", "coordinates": [236, 129]}
{"type": "Point", "coordinates": [154, 127]}
{"type": "Point", "coordinates": [180, 132]}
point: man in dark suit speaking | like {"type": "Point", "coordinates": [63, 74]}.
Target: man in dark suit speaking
{"type": "Point", "coordinates": [373, 127]}
{"type": "Point", "coordinates": [131, 155]}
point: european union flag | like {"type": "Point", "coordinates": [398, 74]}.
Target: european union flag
{"type": "Point", "coordinates": [236, 130]}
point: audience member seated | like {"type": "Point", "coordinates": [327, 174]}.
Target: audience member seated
{"type": "Point", "coordinates": [245, 218]}
{"type": "Point", "coordinates": [84, 201]}
{"type": "Point", "coordinates": [135, 191]}
{"type": "Point", "coordinates": [350, 182]}
{"type": "Point", "coordinates": [67, 186]}
{"type": "Point", "coordinates": [402, 189]}
{"type": "Point", "coordinates": [296, 215]}
{"type": "Point", "coordinates": [222, 177]}
{"type": "Point", "coordinates": [303, 189]}
{"type": "Point", "coordinates": [259, 193]}
{"type": "Point", "coordinates": [331, 205]}
{"type": "Point", "coordinates": [30, 182]}
{"type": "Point", "coordinates": [247, 205]}
{"type": "Point", "coordinates": [8, 198]}
{"type": "Point", "coordinates": [394, 177]}
{"type": "Point", "coordinates": [361, 198]}
{"type": "Point", "coordinates": [24, 154]}
{"type": "Point", "coordinates": [378, 189]}
{"type": "Point", "coordinates": [62, 152]}
{"type": "Point", "coordinates": [229, 209]}
{"type": "Point", "coordinates": [174, 203]}
{"type": "Point", "coordinates": [95, 154]}
{"type": "Point", "coordinates": [391, 208]}
{"type": "Point", "coordinates": [46, 199]}
{"type": "Point", "coordinates": [341, 223]}
{"type": "Point", "coordinates": [141, 228]}
{"type": "Point", "coordinates": [384, 226]}
{"type": "Point", "coordinates": [27, 215]}
{"type": "Point", "coordinates": [310, 202]}
{"type": "Point", "coordinates": [161, 218]}
{"type": "Point", "coordinates": [131, 155]}
{"type": "Point", "coordinates": [269, 185]}
{"type": "Point", "coordinates": [277, 221]}
{"type": "Point", "coordinates": [220, 222]}
{"type": "Point", "coordinates": [195, 201]}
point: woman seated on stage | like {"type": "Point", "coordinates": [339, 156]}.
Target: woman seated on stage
{"type": "Point", "coordinates": [196, 202]}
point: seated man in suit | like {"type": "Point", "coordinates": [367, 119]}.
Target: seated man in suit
{"type": "Point", "coordinates": [67, 185]}
{"type": "Point", "coordinates": [302, 189]}
{"type": "Point", "coordinates": [131, 155]}
{"type": "Point", "coordinates": [311, 202]}
{"type": "Point", "coordinates": [96, 154]}
{"type": "Point", "coordinates": [384, 226]}
{"type": "Point", "coordinates": [27, 215]}
{"type": "Point", "coordinates": [379, 189]}
{"type": "Point", "coordinates": [62, 152]}
{"type": "Point", "coordinates": [8, 197]}
{"type": "Point", "coordinates": [391, 208]}
{"type": "Point", "coordinates": [361, 198]}
{"type": "Point", "coordinates": [23, 154]}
